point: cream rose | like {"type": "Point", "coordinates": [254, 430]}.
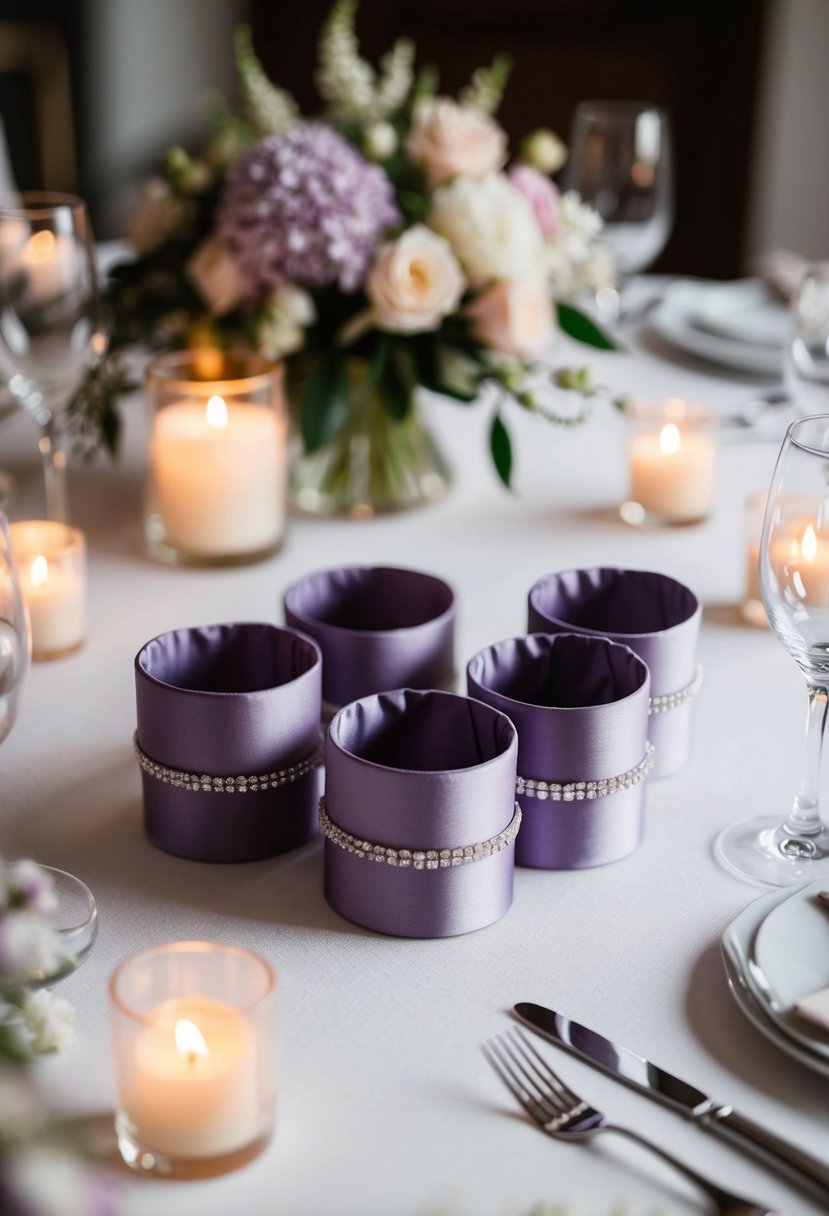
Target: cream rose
{"type": "Point", "coordinates": [514, 317]}
{"type": "Point", "coordinates": [491, 227]}
{"type": "Point", "coordinates": [414, 282]}
{"type": "Point", "coordinates": [450, 140]}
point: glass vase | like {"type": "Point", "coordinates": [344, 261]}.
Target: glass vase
{"type": "Point", "coordinates": [375, 464]}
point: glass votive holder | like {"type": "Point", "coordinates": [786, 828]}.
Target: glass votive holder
{"type": "Point", "coordinates": [671, 454]}
{"type": "Point", "coordinates": [194, 1046]}
{"type": "Point", "coordinates": [216, 458]}
{"type": "Point", "coordinates": [51, 564]}
{"type": "Point", "coordinates": [751, 606]}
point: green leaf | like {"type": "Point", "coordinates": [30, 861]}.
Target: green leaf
{"type": "Point", "coordinates": [325, 403]}
{"type": "Point", "coordinates": [380, 357]}
{"type": "Point", "coordinates": [397, 383]}
{"type": "Point", "coordinates": [579, 326]}
{"type": "Point", "coordinates": [500, 446]}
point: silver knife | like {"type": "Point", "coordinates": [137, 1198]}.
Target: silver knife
{"type": "Point", "coordinates": [655, 1082]}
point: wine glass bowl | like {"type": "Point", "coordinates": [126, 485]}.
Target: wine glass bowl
{"type": "Point", "coordinates": [806, 369]}
{"type": "Point", "coordinates": [50, 317]}
{"type": "Point", "coordinates": [620, 163]}
{"type": "Point", "coordinates": [794, 586]}
{"type": "Point", "coordinates": [15, 638]}
{"type": "Point", "coordinates": [75, 922]}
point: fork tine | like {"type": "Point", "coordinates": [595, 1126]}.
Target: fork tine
{"type": "Point", "coordinates": [492, 1053]}
{"type": "Point", "coordinates": [546, 1073]}
{"type": "Point", "coordinates": [550, 1101]}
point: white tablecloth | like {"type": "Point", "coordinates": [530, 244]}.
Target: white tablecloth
{"type": "Point", "coordinates": [386, 1104]}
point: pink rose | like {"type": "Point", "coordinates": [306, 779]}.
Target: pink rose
{"type": "Point", "coordinates": [217, 276]}
{"type": "Point", "coordinates": [450, 140]}
{"type": "Point", "coordinates": [540, 193]}
{"type": "Point", "coordinates": [414, 282]}
{"type": "Point", "coordinates": [514, 317]}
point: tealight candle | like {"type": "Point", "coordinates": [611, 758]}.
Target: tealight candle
{"type": "Point", "coordinates": [217, 459]}
{"type": "Point", "coordinates": [671, 465]}
{"type": "Point", "coordinates": [48, 262]}
{"type": "Point", "coordinates": [51, 562]}
{"type": "Point", "coordinates": [191, 1032]}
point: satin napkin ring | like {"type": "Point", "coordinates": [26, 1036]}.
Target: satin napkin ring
{"type": "Point", "coordinates": [580, 706]}
{"type": "Point", "coordinates": [656, 616]}
{"type": "Point", "coordinates": [223, 710]}
{"type": "Point", "coordinates": [378, 628]}
{"type": "Point", "coordinates": [424, 783]}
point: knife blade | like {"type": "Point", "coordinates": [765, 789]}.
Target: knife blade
{"type": "Point", "coordinates": [794, 1164]}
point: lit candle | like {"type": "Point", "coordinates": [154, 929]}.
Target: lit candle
{"type": "Point", "coordinates": [51, 561]}
{"type": "Point", "coordinates": [193, 1091]}
{"type": "Point", "coordinates": [801, 565]}
{"type": "Point", "coordinates": [218, 471]}
{"type": "Point", "coordinates": [48, 262]}
{"type": "Point", "coordinates": [672, 466]}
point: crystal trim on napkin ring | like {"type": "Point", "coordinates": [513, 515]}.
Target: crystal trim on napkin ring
{"type": "Point", "coordinates": [419, 859]}
{"type": "Point", "coordinates": [673, 700]}
{"type": "Point", "coordinates": [228, 785]}
{"type": "Point", "coordinates": [576, 791]}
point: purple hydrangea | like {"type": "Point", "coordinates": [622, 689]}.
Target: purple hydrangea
{"type": "Point", "coordinates": [306, 207]}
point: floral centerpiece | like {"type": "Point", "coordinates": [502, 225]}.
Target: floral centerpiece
{"type": "Point", "coordinates": [381, 249]}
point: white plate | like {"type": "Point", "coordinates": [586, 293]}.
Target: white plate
{"type": "Point", "coordinates": [743, 312]}
{"type": "Point", "coordinates": [691, 316]}
{"type": "Point", "coordinates": [737, 943]}
{"type": "Point", "coordinates": [790, 959]}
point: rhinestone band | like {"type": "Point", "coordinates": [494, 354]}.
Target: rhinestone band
{"type": "Point", "coordinates": [673, 700]}
{"type": "Point", "coordinates": [419, 859]}
{"type": "Point", "coordinates": [227, 785]}
{"type": "Point", "coordinates": [576, 791]}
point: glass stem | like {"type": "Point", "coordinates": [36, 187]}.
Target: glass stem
{"type": "Point", "coordinates": [54, 467]}
{"type": "Point", "coordinates": [805, 817]}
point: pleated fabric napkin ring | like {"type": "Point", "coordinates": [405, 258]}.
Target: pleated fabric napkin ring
{"type": "Point", "coordinates": [378, 628]}
{"type": "Point", "coordinates": [422, 782]}
{"type": "Point", "coordinates": [656, 616]}
{"type": "Point", "coordinates": [580, 706]}
{"type": "Point", "coordinates": [222, 710]}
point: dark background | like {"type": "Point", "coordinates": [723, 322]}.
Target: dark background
{"type": "Point", "coordinates": [699, 59]}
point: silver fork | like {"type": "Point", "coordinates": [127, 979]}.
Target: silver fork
{"type": "Point", "coordinates": [564, 1116]}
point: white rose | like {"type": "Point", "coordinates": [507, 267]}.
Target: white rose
{"type": "Point", "coordinates": [281, 331]}
{"type": "Point", "coordinates": [450, 140]}
{"type": "Point", "coordinates": [414, 282]}
{"type": "Point", "coordinates": [217, 276]}
{"type": "Point", "coordinates": [491, 227]}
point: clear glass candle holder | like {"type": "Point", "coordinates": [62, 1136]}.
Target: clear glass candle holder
{"type": "Point", "coordinates": [194, 1046]}
{"type": "Point", "coordinates": [672, 457]}
{"type": "Point", "coordinates": [51, 564]}
{"type": "Point", "coordinates": [216, 458]}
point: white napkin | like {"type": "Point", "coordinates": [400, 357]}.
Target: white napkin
{"type": "Point", "coordinates": [815, 1008]}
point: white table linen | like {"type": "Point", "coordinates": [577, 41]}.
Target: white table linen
{"type": "Point", "coordinates": [386, 1105]}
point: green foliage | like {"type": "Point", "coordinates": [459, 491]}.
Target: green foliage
{"type": "Point", "coordinates": [325, 404]}
{"type": "Point", "coordinates": [579, 326]}
{"type": "Point", "coordinates": [500, 446]}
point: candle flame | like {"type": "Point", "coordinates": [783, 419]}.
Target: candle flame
{"type": "Point", "coordinates": [808, 545]}
{"type": "Point", "coordinates": [40, 247]}
{"type": "Point", "coordinates": [669, 439]}
{"type": "Point", "coordinates": [189, 1039]}
{"type": "Point", "coordinates": [217, 414]}
{"type": "Point", "coordinates": [40, 571]}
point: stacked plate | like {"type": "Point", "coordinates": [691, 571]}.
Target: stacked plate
{"type": "Point", "coordinates": [738, 325]}
{"type": "Point", "coordinates": [776, 953]}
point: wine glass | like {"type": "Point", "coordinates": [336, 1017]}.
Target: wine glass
{"type": "Point", "coordinates": [15, 637]}
{"type": "Point", "coordinates": [794, 585]}
{"type": "Point", "coordinates": [806, 368]}
{"type": "Point", "coordinates": [50, 318]}
{"type": "Point", "coordinates": [620, 163]}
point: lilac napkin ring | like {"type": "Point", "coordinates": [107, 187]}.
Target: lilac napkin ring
{"type": "Point", "coordinates": [656, 616]}
{"type": "Point", "coordinates": [378, 628]}
{"type": "Point", "coordinates": [420, 815]}
{"type": "Point", "coordinates": [580, 706]}
{"type": "Point", "coordinates": [228, 740]}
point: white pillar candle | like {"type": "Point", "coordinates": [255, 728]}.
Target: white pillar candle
{"type": "Point", "coordinates": [192, 1091]}
{"type": "Point", "coordinates": [800, 562]}
{"type": "Point", "coordinates": [672, 472]}
{"type": "Point", "coordinates": [49, 264]}
{"type": "Point", "coordinates": [51, 564]}
{"type": "Point", "coordinates": [219, 472]}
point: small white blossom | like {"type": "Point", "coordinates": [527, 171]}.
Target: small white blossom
{"type": "Point", "coordinates": [52, 1182]}
{"type": "Point", "coordinates": [543, 150]}
{"type": "Point", "coordinates": [29, 948]}
{"type": "Point", "coordinates": [348, 84]}
{"type": "Point", "coordinates": [49, 1020]}
{"type": "Point", "coordinates": [380, 141]}
{"type": "Point", "coordinates": [33, 886]}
